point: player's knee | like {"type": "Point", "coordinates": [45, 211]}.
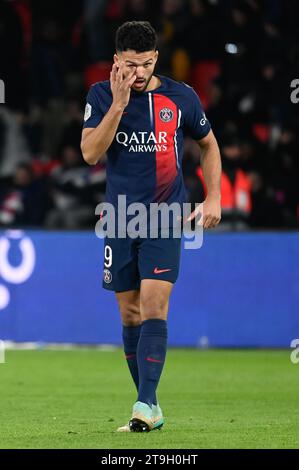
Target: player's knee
{"type": "Point", "coordinates": [130, 314]}
{"type": "Point", "coordinates": [154, 307]}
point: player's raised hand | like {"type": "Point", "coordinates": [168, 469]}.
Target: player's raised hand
{"type": "Point", "coordinates": [120, 86]}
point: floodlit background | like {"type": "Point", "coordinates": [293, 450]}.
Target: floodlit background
{"type": "Point", "coordinates": [240, 56]}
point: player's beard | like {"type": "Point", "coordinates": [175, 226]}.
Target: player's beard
{"type": "Point", "coordinates": [144, 87]}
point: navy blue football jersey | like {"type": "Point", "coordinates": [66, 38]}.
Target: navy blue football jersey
{"type": "Point", "coordinates": [144, 161]}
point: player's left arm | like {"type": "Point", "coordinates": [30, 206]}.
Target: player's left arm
{"type": "Point", "coordinates": [211, 167]}
{"type": "Point", "coordinates": [198, 126]}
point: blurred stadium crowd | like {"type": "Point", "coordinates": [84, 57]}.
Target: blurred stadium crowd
{"type": "Point", "coordinates": [240, 55]}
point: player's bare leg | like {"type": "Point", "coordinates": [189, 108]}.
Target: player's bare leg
{"type": "Point", "coordinates": [129, 307]}
{"type": "Point", "coordinates": [154, 299]}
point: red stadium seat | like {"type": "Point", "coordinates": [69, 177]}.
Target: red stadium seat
{"type": "Point", "coordinates": [96, 73]}
{"type": "Point", "coordinates": [203, 73]}
{"type": "Point", "coordinates": [261, 132]}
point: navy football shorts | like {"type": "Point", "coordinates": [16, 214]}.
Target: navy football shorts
{"type": "Point", "coordinates": [127, 261]}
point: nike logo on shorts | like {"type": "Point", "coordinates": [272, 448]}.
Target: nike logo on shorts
{"type": "Point", "coordinates": [159, 271]}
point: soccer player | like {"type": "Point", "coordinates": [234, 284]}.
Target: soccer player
{"type": "Point", "coordinates": [139, 119]}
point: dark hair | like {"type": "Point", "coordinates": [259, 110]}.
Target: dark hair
{"type": "Point", "coordinates": [138, 36]}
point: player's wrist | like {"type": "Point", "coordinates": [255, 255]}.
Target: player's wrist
{"type": "Point", "coordinates": [117, 107]}
{"type": "Point", "coordinates": [214, 195]}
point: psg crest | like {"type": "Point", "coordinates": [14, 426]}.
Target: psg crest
{"type": "Point", "coordinates": [107, 276]}
{"type": "Point", "coordinates": [166, 115]}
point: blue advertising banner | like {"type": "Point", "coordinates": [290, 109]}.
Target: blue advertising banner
{"type": "Point", "coordinates": [237, 290]}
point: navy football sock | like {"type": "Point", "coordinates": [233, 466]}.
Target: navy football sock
{"type": "Point", "coordinates": [151, 353]}
{"type": "Point", "coordinates": [131, 336]}
{"type": "Point", "coordinates": [130, 339]}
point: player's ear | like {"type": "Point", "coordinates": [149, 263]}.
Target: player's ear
{"type": "Point", "coordinates": [116, 59]}
{"type": "Point", "coordinates": [156, 55]}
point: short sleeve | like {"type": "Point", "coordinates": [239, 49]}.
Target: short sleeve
{"type": "Point", "coordinates": [195, 122]}
{"type": "Point", "coordinates": [93, 113]}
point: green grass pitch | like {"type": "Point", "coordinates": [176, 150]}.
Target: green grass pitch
{"type": "Point", "coordinates": [211, 399]}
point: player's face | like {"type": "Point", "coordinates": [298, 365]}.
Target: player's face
{"type": "Point", "coordinates": [145, 65]}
